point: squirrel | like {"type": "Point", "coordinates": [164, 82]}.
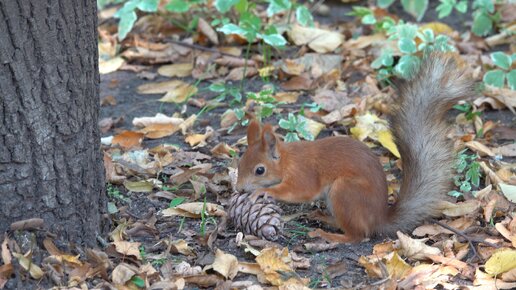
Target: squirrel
{"type": "Point", "coordinates": [347, 174]}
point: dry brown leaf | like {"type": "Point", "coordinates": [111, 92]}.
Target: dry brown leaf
{"type": "Point", "coordinates": [111, 65]}
{"type": "Point", "coordinates": [228, 119]}
{"type": "Point", "coordinates": [319, 40]}
{"type": "Point", "coordinates": [108, 100]}
{"type": "Point", "coordinates": [176, 70]}
{"type": "Point", "coordinates": [199, 140]}
{"type": "Point", "coordinates": [396, 266]}
{"type": "Point", "coordinates": [237, 74]}
{"type": "Point", "coordinates": [194, 209]}
{"type": "Point", "coordinates": [415, 249]}
{"type": "Point", "coordinates": [29, 265]}
{"type": "Point", "coordinates": [486, 280]}
{"type": "Point", "coordinates": [272, 261]}
{"type": "Point", "coordinates": [298, 83]}
{"type": "Point", "coordinates": [291, 67]}
{"type": "Point", "coordinates": [206, 29]}
{"type": "Point", "coordinates": [123, 273]}
{"type": "Point", "coordinates": [160, 119]}
{"type": "Point", "coordinates": [364, 41]}
{"type": "Point", "coordinates": [128, 248]}
{"type": "Point", "coordinates": [159, 87]}
{"type": "Point", "coordinates": [187, 124]}
{"type": "Point", "coordinates": [459, 209]}
{"type": "Point", "coordinates": [287, 97]}
{"type": "Point", "coordinates": [179, 94]}
{"type": "Point", "coordinates": [128, 139]}
{"type": "Point", "coordinates": [223, 150]}
{"type": "Point", "coordinates": [480, 148]}
{"type": "Point", "coordinates": [6, 254]}
{"type": "Point", "coordinates": [371, 266]}
{"type": "Point", "coordinates": [181, 247]}
{"type": "Point", "coordinates": [225, 264]}
{"type": "Point", "coordinates": [331, 100]}
{"type": "Point", "coordinates": [156, 131]}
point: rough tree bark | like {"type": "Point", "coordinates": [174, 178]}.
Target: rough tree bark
{"type": "Point", "coordinates": [50, 160]}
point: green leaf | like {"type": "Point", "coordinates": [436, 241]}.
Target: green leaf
{"type": "Point", "coordinates": [217, 87]}
{"type": "Point", "coordinates": [465, 186]}
{"type": "Point", "coordinates": [178, 6]}
{"type": "Point", "coordinates": [455, 193]}
{"type": "Point", "coordinates": [407, 65]}
{"type": "Point", "coordinates": [482, 24]}
{"type": "Point", "coordinates": [112, 209]}
{"type": "Point", "coordinates": [224, 6]}
{"type": "Point", "coordinates": [473, 173]}
{"type": "Point", "coordinates": [139, 282]}
{"type": "Point", "coordinates": [385, 59]}
{"type": "Point", "coordinates": [511, 79]}
{"type": "Point", "coordinates": [242, 6]}
{"type": "Point", "coordinates": [291, 137]}
{"type": "Point", "coordinates": [384, 3]}
{"type": "Point", "coordinates": [369, 19]}
{"type": "Point", "coordinates": [126, 24]}
{"type": "Point", "coordinates": [462, 6]}
{"type": "Point", "coordinates": [416, 8]}
{"type": "Point", "coordinates": [231, 28]}
{"type": "Point", "coordinates": [176, 201]}
{"type": "Point", "coordinates": [486, 5]}
{"type": "Point", "coordinates": [274, 40]}
{"type": "Point", "coordinates": [304, 16]}
{"type": "Point", "coordinates": [501, 60]}
{"type": "Point", "coordinates": [495, 78]}
{"type": "Point", "coordinates": [148, 5]}
{"type": "Point", "coordinates": [276, 6]}
{"type": "Point", "coordinates": [407, 45]}
{"type": "Point", "coordinates": [444, 9]}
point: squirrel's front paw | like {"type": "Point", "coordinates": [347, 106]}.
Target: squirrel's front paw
{"type": "Point", "coordinates": [257, 194]}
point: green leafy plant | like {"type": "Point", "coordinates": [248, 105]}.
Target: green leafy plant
{"type": "Point", "coordinates": [416, 8]}
{"type": "Point", "coordinates": [265, 102]}
{"type": "Point", "coordinates": [367, 17]}
{"type": "Point", "coordinates": [226, 90]}
{"type": "Point", "coordinates": [446, 7]}
{"type": "Point", "coordinates": [467, 173]}
{"type": "Point", "coordinates": [470, 113]}
{"type": "Point", "coordinates": [497, 77]}
{"type": "Point", "coordinates": [484, 17]}
{"type": "Point", "coordinates": [296, 126]}
{"type": "Point", "coordinates": [406, 34]}
{"type": "Point", "coordinates": [127, 14]}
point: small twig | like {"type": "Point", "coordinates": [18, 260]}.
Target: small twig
{"type": "Point", "coordinates": [471, 240]}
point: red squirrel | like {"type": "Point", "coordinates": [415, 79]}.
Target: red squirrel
{"type": "Point", "coordinates": [350, 177]}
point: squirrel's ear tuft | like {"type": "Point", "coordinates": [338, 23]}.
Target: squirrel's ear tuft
{"type": "Point", "coordinates": [254, 131]}
{"type": "Point", "coordinates": [270, 141]}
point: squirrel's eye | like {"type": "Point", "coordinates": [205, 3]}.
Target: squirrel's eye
{"type": "Point", "coordinates": [260, 170]}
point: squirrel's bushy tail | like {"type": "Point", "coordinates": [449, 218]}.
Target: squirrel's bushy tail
{"type": "Point", "coordinates": [419, 129]}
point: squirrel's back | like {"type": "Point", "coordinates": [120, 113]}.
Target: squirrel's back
{"type": "Point", "coordinates": [419, 128]}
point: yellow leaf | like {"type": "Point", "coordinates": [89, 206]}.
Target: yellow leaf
{"type": "Point", "coordinates": [437, 27]}
{"type": "Point", "coordinates": [266, 71]}
{"type": "Point", "coordinates": [176, 70]}
{"type": "Point", "coordinates": [385, 138]}
{"type": "Point", "coordinates": [314, 127]}
{"type": "Point", "coordinates": [179, 94]}
{"type": "Point", "coordinates": [128, 248]}
{"type": "Point", "coordinates": [320, 40]}
{"type": "Point", "coordinates": [501, 261]}
{"type": "Point", "coordinates": [272, 261]}
{"type": "Point", "coordinates": [225, 264]}
{"type": "Point", "coordinates": [159, 87]}
{"type": "Point", "coordinates": [194, 209]}
{"type": "Point", "coordinates": [111, 65]}
{"type": "Point", "coordinates": [396, 266]}
{"type": "Point", "coordinates": [34, 270]}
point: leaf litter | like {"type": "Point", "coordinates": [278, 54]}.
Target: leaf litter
{"type": "Point", "coordinates": [170, 176]}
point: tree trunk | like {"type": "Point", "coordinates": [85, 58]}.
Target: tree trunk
{"type": "Point", "coordinates": [50, 158]}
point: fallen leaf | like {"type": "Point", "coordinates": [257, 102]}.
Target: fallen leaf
{"type": "Point", "coordinates": [156, 131]}
{"type": "Point", "coordinates": [480, 148]}
{"type": "Point", "coordinates": [179, 94]}
{"type": "Point", "coordinates": [111, 65]}
{"type": "Point", "coordinates": [509, 191]}
{"type": "Point", "coordinates": [273, 261]}
{"type": "Point", "coordinates": [108, 100]}
{"type": "Point", "coordinates": [138, 186]}
{"type": "Point", "coordinates": [225, 264]}
{"type": "Point", "coordinates": [313, 127]}
{"type": "Point", "coordinates": [396, 266]}
{"type": "Point", "coordinates": [29, 265]}
{"type": "Point", "coordinates": [199, 140]}
{"type": "Point", "coordinates": [159, 87]}
{"type": "Point", "coordinates": [223, 150]}
{"type": "Point", "coordinates": [128, 248]}
{"type": "Point", "coordinates": [459, 209]}
{"type": "Point", "coordinates": [319, 40]}
{"type": "Point", "coordinates": [286, 97]}
{"type": "Point", "coordinates": [128, 139]}
{"type": "Point", "coordinates": [194, 209]}
{"type": "Point", "coordinates": [123, 273]}
{"type": "Point", "coordinates": [385, 138]}
{"type": "Point", "coordinates": [176, 70]}
{"type": "Point", "coordinates": [415, 249]}
{"type": "Point", "coordinates": [181, 247]}
{"type": "Point", "coordinates": [501, 261]}
{"type": "Point", "coordinates": [159, 119]}
{"type": "Point", "coordinates": [206, 29]}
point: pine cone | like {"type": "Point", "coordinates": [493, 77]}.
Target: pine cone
{"type": "Point", "coordinates": [262, 218]}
